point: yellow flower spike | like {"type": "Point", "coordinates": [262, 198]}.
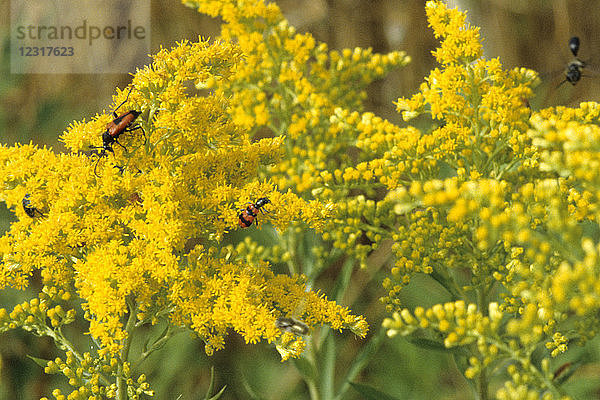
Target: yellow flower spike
{"type": "Point", "coordinates": [300, 103]}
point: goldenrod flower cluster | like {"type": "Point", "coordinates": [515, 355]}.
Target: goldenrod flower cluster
{"type": "Point", "coordinates": [134, 229]}
{"type": "Point", "coordinates": [499, 205]}
{"type": "Point", "coordinates": [461, 324]}
{"type": "Point", "coordinates": [493, 201]}
{"type": "Point", "coordinates": [294, 86]}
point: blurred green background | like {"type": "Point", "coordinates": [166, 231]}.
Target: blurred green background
{"type": "Point", "coordinates": [38, 108]}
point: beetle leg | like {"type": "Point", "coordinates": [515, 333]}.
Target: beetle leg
{"type": "Point", "coordinates": [117, 142]}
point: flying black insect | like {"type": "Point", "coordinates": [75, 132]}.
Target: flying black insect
{"type": "Point", "coordinates": [573, 72]}
{"type": "Point", "coordinates": [292, 325]}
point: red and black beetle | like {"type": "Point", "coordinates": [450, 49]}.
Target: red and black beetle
{"type": "Point", "coordinates": [249, 214]}
{"type": "Point", "coordinates": [122, 123]}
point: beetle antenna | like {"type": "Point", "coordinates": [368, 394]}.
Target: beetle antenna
{"type": "Point", "coordinates": [124, 101]}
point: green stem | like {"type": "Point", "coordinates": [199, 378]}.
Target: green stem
{"type": "Point", "coordinates": [507, 168]}
{"type": "Point", "coordinates": [158, 344]}
{"type": "Point", "coordinates": [121, 380]}
{"type": "Point", "coordinates": [448, 282]}
{"type": "Point", "coordinates": [328, 357]}
{"type": "Point", "coordinates": [524, 360]}
{"type": "Point", "coordinates": [293, 263]}
{"type": "Point", "coordinates": [312, 389]}
{"type": "Point", "coordinates": [482, 380]}
{"type": "Point", "coordinates": [310, 381]}
{"type": "Point", "coordinates": [482, 385]}
{"type": "Point", "coordinates": [372, 228]}
{"type": "Point", "coordinates": [64, 344]}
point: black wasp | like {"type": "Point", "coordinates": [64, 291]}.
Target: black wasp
{"type": "Point", "coordinates": [573, 73]}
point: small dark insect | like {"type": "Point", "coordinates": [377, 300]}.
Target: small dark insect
{"type": "Point", "coordinates": [249, 214]}
{"type": "Point", "coordinates": [574, 45]}
{"type": "Point", "coordinates": [135, 199]}
{"type": "Point", "coordinates": [29, 210]}
{"type": "Point", "coordinates": [573, 72]}
{"type": "Point", "coordinates": [292, 325]}
{"type": "Point", "coordinates": [122, 123]}
{"type": "Point", "coordinates": [526, 104]}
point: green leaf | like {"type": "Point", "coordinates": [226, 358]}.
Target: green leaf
{"type": "Point", "coordinates": [370, 393]}
{"type": "Point", "coordinates": [327, 370]}
{"type": "Point", "coordinates": [251, 393]}
{"type": "Point", "coordinates": [361, 361]}
{"type": "Point", "coordinates": [211, 386]}
{"type": "Point", "coordinates": [305, 368]}
{"type": "Point", "coordinates": [39, 361]}
{"type": "Point", "coordinates": [343, 280]}
{"type": "Point", "coordinates": [218, 395]}
{"type": "Point", "coordinates": [428, 344]}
